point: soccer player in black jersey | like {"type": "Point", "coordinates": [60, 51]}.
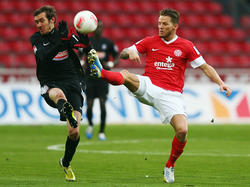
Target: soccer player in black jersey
{"type": "Point", "coordinates": [60, 74]}
{"type": "Point", "coordinates": [98, 88]}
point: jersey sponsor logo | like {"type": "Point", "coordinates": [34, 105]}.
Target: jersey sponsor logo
{"type": "Point", "coordinates": [153, 49]}
{"type": "Point", "coordinates": [178, 52]}
{"type": "Point", "coordinates": [168, 65]}
{"type": "Point", "coordinates": [61, 55]}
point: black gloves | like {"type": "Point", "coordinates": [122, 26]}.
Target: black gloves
{"type": "Point", "coordinates": [69, 40]}
{"type": "Point", "coordinates": [63, 30]}
{"type": "Point", "coordinates": [84, 38]}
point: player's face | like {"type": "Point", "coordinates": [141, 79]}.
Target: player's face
{"type": "Point", "coordinates": [167, 29]}
{"type": "Point", "coordinates": [43, 25]}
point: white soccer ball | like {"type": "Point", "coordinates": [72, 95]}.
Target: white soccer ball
{"type": "Point", "coordinates": [85, 22]}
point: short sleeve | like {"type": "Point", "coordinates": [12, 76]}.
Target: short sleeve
{"type": "Point", "coordinates": [197, 62]}
{"type": "Point", "coordinates": [141, 46]}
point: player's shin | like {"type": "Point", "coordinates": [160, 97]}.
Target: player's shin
{"type": "Point", "coordinates": [70, 148]}
{"type": "Point", "coordinates": [59, 104]}
{"type": "Point", "coordinates": [114, 78]}
{"type": "Point", "coordinates": [177, 150]}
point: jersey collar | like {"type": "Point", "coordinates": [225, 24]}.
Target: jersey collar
{"type": "Point", "coordinates": [171, 41]}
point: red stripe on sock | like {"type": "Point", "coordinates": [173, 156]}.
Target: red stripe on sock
{"type": "Point", "coordinates": [114, 78]}
{"type": "Point", "coordinates": [177, 149]}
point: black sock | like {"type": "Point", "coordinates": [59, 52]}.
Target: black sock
{"type": "Point", "coordinates": [70, 148]}
{"type": "Point", "coordinates": [103, 119]}
{"type": "Point", "coordinates": [89, 116]}
{"type": "Point", "coordinates": [59, 104]}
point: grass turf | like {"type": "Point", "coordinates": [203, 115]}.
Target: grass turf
{"type": "Point", "coordinates": [132, 155]}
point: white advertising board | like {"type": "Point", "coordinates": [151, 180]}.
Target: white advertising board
{"type": "Point", "coordinates": [22, 104]}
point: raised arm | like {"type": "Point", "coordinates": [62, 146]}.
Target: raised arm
{"type": "Point", "coordinates": [130, 54]}
{"type": "Point", "coordinates": [210, 72]}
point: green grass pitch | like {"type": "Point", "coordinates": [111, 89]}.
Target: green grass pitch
{"type": "Point", "coordinates": [132, 155]}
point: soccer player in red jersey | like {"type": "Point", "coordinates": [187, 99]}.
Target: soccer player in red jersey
{"type": "Point", "coordinates": [161, 85]}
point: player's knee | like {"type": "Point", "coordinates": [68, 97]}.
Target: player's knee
{"type": "Point", "coordinates": [57, 95]}
{"type": "Point", "coordinates": [181, 134]}
{"type": "Point", "coordinates": [125, 74]}
{"type": "Point", "coordinates": [74, 134]}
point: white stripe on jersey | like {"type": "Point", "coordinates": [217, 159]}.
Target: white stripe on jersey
{"type": "Point", "coordinates": [198, 62]}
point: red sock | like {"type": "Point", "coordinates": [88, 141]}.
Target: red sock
{"type": "Point", "coordinates": [177, 149]}
{"type": "Point", "coordinates": [114, 78]}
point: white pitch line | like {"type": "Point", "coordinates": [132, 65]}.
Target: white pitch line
{"type": "Point", "coordinates": [60, 147]}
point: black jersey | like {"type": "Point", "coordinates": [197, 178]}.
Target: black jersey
{"type": "Point", "coordinates": [55, 62]}
{"type": "Point", "coordinates": [105, 48]}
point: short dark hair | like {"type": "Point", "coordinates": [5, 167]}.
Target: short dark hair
{"type": "Point", "coordinates": [173, 14]}
{"type": "Point", "coordinates": [50, 11]}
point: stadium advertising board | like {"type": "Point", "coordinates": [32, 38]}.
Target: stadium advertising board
{"type": "Point", "coordinates": [22, 104]}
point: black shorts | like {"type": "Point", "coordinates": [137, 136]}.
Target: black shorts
{"type": "Point", "coordinates": [96, 88]}
{"type": "Point", "coordinates": [71, 90]}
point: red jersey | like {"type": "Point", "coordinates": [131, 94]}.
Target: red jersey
{"type": "Point", "coordinates": [166, 62]}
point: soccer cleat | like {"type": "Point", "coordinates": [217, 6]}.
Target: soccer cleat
{"type": "Point", "coordinates": [101, 136]}
{"type": "Point", "coordinates": [69, 174]}
{"type": "Point", "coordinates": [169, 175]}
{"type": "Point", "coordinates": [94, 64]}
{"type": "Point", "coordinates": [68, 112]}
{"type": "Point", "coordinates": [89, 132]}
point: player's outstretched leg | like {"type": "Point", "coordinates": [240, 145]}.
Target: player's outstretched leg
{"type": "Point", "coordinates": [169, 174]}
{"type": "Point", "coordinates": [69, 174]}
{"type": "Point", "coordinates": [94, 64]}
{"type": "Point", "coordinates": [68, 112]}
{"type": "Point", "coordinates": [96, 70]}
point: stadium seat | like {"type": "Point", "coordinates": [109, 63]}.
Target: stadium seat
{"type": "Point", "coordinates": [9, 33]}
{"type": "Point", "coordinates": [124, 20]}
{"type": "Point", "coordinates": [209, 21]}
{"type": "Point", "coordinates": [5, 60]}
{"type": "Point", "coordinates": [146, 6]}
{"type": "Point", "coordinates": [26, 32]}
{"type": "Point", "coordinates": [237, 34]}
{"type": "Point", "coordinates": [245, 21]}
{"type": "Point", "coordinates": [214, 8]}
{"type": "Point", "coordinates": [245, 47]}
{"type": "Point", "coordinates": [202, 34]}
{"type": "Point", "coordinates": [23, 6]}
{"type": "Point", "coordinates": [7, 6]}
{"type": "Point", "coordinates": [61, 6]}
{"type": "Point", "coordinates": [113, 7]}
{"type": "Point", "coordinates": [17, 19]}
{"type": "Point", "coordinates": [21, 47]}
{"type": "Point", "coordinates": [220, 34]}
{"type": "Point", "coordinates": [216, 61]}
{"type": "Point", "coordinates": [130, 7]}
{"type": "Point", "coordinates": [182, 6]}
{"type": "Point", "coordinates": [3, 19]}
{"type": "Point", "coordinates": [191, 21]}
{"type": "Point", "coordinates": [198, 7]}
{"type": "Point", "coordinates": [108, 20]}
{"type": "Point", "coordinates": [5, 47]}
{"type": "Point", "coordinates": [224, 21]}
{"type": "Point", "coordinates": [232, 47]}
{"type": "Point", "coordinates": [25, 60]}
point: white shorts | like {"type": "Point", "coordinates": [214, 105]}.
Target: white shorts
{"type": "Point", "coordinates": [168, 103]}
